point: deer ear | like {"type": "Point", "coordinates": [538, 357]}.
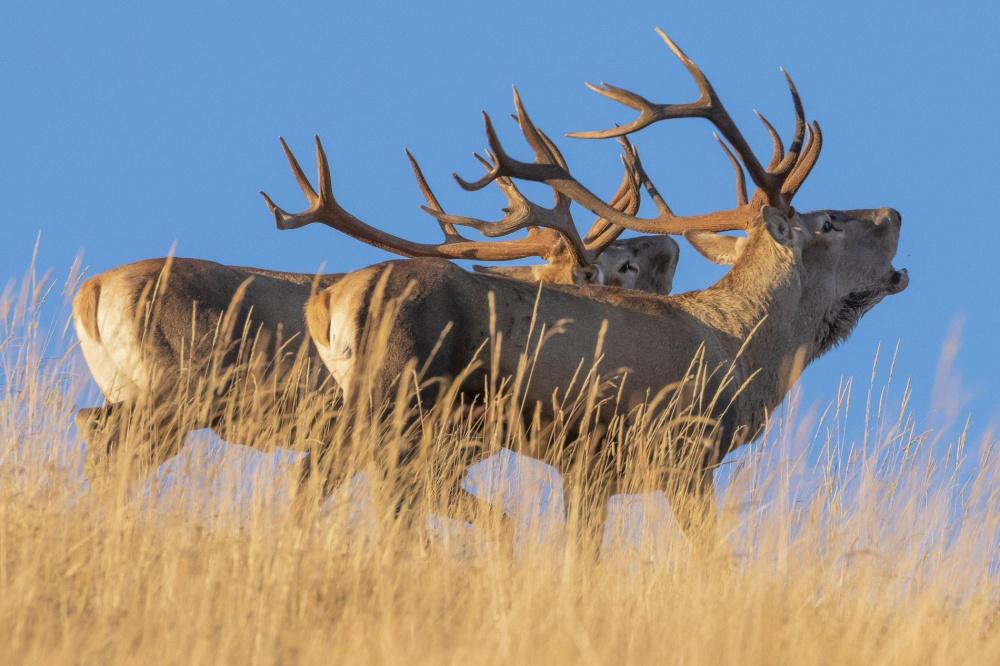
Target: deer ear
{"type": "Point", "coordinates": [664, 265]}
{"type": "Point", "coordinates": [588, 275]}
{"type": "Point", "coordinates": [718, 248]}
{"type": "Point", "coordinates": [779, 226]}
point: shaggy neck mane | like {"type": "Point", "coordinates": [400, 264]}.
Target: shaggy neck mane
{"type": "Point", "coordinates": [837, 323]}
{"type": "Point", "coordinates": [760, 295]}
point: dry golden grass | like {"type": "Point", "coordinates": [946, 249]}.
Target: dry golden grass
{"type": "Point", "coordinates": [883, 558]}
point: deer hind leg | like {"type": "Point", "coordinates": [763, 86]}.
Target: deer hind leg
{"type": "Point", "coordinates": [106, 431]}
{"type": "Point", "coordinates": [415, 499]}
{"type": "Point", "coordinates": [94, 424]}
{"type": "Point", "coordinates": [316, 478]}
{"type": "Point", "coordinates": [111, 335]}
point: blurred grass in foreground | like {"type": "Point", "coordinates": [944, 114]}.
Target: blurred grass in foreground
{"type": "Point", "coordinates": [886, 555]}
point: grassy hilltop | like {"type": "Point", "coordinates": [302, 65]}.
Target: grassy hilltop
{"type": "Point", "coordinates": [885, 555]}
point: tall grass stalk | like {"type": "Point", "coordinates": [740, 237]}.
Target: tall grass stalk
{"type": "Point", "coordinates": [841, 546]}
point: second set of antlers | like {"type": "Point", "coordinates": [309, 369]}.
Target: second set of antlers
{"type": "Point", "coordinates": [552, 233]}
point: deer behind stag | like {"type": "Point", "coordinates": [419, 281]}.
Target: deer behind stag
{"type": "Point", "coordinates": [231, 339]}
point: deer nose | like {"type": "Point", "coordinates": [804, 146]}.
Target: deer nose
{"type": "Point", "coordinates": [888, 216]}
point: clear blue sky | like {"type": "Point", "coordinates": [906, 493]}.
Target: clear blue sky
{"type": "Point", "coordinates": [128, 129]}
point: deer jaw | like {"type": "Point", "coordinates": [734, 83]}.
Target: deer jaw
{"type": "Point", "coordinates": [853, 250]}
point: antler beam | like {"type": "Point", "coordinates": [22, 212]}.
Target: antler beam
{"type": "Point", "coordinates": [776, 184]}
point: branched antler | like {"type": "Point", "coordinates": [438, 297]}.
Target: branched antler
{"type": "Point", "coordinates": [325, 209]}
{"type": "Point", "coordinates": [552, 233]}
{"type": "Point", "coordinates": [776, 184]}
{"type": "Point", "coordinates": [521, 213]}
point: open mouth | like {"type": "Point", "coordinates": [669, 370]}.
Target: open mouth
{"type": "Point", "coordinates": [898, 281]}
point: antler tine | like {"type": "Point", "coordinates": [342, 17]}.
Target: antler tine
{"type": "Point", "coordinates": [535, 138]}
{"type": "Point", "coordinates": [769, 180]}
{"type": "Point", "coordinates": [425, 189]}
{"type": "Point", "coordinates": [522, 213]}
{"type": "Point", "coordinates": [494, 172]}
{"type": "Point", "coordinates": [281, 218]}
{"type": "Point", "coordinates": [550, 145]}
{"type": "Point", "coordinates": [285, 220]}
{"type": "Point", "coordinates": [545, 151]}
{"type": "Point", "coordinates": [544, 148]}
{"type": "Point", "coordinates": [798, 175]}
{"type": "Point", "coordinates": [553, 154]}
{"type": "Point", "coordinates": [650, 112]}
{"type": "Point", "coordinates": [432, 201]}
{"type": "Point", "coordinates": [506, 185]}
{"type": "Point", "coordinates": [487, 163]}
{"type": "Point", "coordinates": [300, 176]}
{"type": "Point", "coordinates": [625, 199]}
{"type": "Point", "coordinates": [634, 164]}
{"type": "Point", "coordinates": [778, 150]}
{"type": "Point", "coordinates": [784, 167]}
{"type": "Point", "coordinates": [741, 181]}
{"type": "Point", "coordinates": [323, 173]}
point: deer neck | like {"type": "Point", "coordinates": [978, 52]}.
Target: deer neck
{"type": "Point", "coordinates": [765, 328]}
{"type": "Point", "coordinates": [756, 299]}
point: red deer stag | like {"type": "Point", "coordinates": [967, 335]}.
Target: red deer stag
{"type": "Point", "coordinates": [799, 284]}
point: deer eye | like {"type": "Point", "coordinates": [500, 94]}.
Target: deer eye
{"type": "Point", "coordinates": [627, 266]}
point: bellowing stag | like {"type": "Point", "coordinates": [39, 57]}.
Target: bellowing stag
{"type": "Point", "coordinates": [799, 284]}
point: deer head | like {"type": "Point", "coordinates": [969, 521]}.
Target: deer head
{"type": "Point", "coordinates": [644, 263]}
{"type": "Point", "coordinates": [844, 260]}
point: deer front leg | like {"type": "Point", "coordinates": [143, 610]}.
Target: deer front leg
{"type": "Point", "coordinates": [691, 494]}
{"type": "Point", "coordinates": [105, 430]}
{"type": "Point", "coordinates": [449, 499]}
